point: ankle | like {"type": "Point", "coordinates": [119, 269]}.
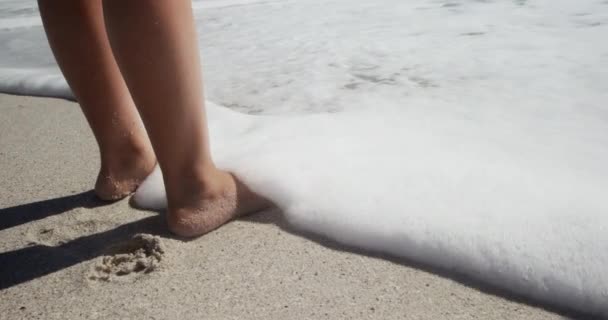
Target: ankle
{"type": "Point", "coordinates": [122, 170]}
{"type": "Point", "coordinates": [207, 183]}
{"type": "Point", "coordinates": [126, 154]}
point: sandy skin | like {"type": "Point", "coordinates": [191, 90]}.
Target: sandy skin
{"type": "Point", "coordinates": [134, 69]}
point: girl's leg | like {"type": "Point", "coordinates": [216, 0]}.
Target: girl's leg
{"type": "Point", "coordinates": [156, 48]}
{"type": "Point", "coordinates": [77, 36]}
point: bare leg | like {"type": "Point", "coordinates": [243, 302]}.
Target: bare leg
{"type": "Point", "coordinates": [76, 33]}
{"type": "Point", "coordinates": [155, 45]}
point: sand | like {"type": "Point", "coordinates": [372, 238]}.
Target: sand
{"type": "Point", "coordinates": [66, 255]}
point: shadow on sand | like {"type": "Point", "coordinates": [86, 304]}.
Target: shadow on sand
{"type": "Point", "coordinates": [25, 264]}
{"type": "Point", "coordinates": [31, 262]}
{"type": "Point", "coordinates": [21, 214]}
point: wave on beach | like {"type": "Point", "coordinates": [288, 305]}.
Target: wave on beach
{"type": "Point", "coordinates": [468, 136]}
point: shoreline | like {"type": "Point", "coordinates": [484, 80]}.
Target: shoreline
{"type": "Point", "coordinates": [55, 235]}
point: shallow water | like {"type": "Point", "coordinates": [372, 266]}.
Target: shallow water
{"type": "Point", "coordinates": [467, 135]}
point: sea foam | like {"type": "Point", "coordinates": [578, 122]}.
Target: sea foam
{"type": "Point", "coordinates": [472, 137]}
{"type": "Point", "coordinates": [521, 216]}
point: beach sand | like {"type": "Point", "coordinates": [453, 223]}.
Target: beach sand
{"type": "Point", "coordinates": [65, 255]}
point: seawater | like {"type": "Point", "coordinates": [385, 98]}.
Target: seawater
{"type": "Point", "coordinates": [470, 136]}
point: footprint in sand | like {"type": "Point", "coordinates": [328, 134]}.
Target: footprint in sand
{"type": "Point", "coordinates": [128, 261]}
{"type": "Point", "coordinates": [54, 233]}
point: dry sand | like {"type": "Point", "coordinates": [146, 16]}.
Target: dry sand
{"type": "Point", "coordinates": [65, 255]}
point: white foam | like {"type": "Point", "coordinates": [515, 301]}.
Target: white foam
{"type": "Point", "coordinates": [517, 213]}
{"type": "Point", "coordinates": [471, 136]}
{"type": "Point", "coordinates": [39, 82]}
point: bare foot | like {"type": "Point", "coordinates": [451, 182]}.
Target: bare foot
{"type": "Point", "coordinates": [208, 206]}
{"type": "Point", "coordinates": [123, 173]}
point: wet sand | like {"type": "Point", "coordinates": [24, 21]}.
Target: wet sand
{"type": "Point", "coordinates": [66, 255]}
